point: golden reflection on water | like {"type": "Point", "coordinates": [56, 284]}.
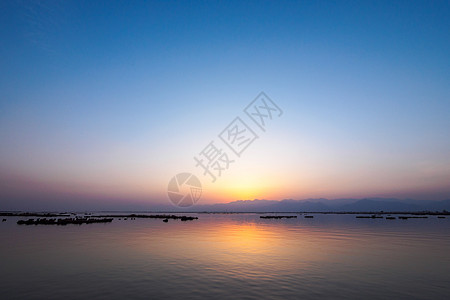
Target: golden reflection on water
{"type": "Point", "coordinates": [246, 238]}
{"type": "Point", "coordinates": [220, 254]}
{"type": "Point", "coordinates": [237, 246]}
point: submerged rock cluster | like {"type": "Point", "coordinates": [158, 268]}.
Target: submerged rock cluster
{"type": "Point", "coordinates": [45, 221]}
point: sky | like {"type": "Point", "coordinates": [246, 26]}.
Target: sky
{"type": "Point", "coordinates": [103, 102]}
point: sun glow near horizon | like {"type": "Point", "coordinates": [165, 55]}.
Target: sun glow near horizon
{"type": "Point", "coordinates": [85, 118]}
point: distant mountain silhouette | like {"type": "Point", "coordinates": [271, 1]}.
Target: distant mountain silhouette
{"type": "Point", "coordinates": [326, 205]}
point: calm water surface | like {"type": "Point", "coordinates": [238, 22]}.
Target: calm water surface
{"type": "Point", "coordinates": [221, 256]}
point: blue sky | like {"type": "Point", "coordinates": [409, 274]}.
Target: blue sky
{"type": "Point", "coordinates": [101, 103]}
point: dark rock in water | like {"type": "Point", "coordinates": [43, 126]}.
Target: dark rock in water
{"type": "Point", "coordinates": [27, 222]}
{"type": "Point", "coordinates": [309, 217]}
{"type": "Point", "coordinates": [413, 217]}
{"type": "Point", "coordinates": [185, 218]}
{"type": "Point", "coordinates": [166, 220]}
{"type": "Point", "coordinates": [134, 216]}
{"type": "Point", "coordinates": [390, 218]}
{"type": "Point", "coordinates": [66, 221]}
{"type": "Point", "coordinates": [4, 220]}
{"type": "Point", "coordinates": [277, 217]}
{"type": "Point", "coordinates": [369, 217]}
{"type": "Point", "coordinates": [441, 217]}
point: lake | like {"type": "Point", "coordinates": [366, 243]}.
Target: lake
{"type": "Point", "coordinates": [228, 256]}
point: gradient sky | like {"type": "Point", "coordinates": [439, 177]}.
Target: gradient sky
{"type": "Point", "coordinates": [102, 103]}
